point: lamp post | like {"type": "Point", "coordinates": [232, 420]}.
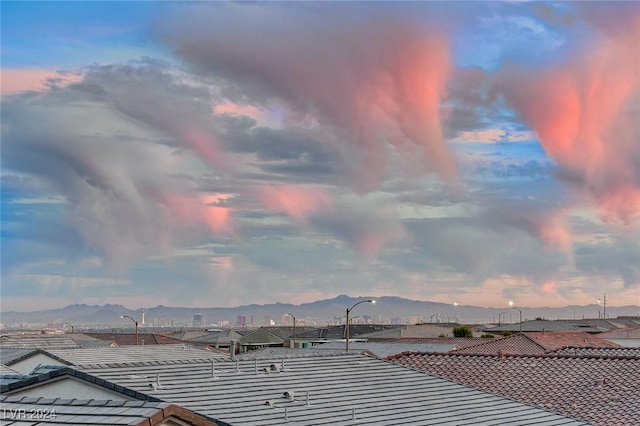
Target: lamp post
{"type": "Point", "coordinates": [294, 329]}
{"type": "Point", "coordinates": [455, 312]}
{"type": "Point", "coordinates": [346, 326]}
{"type": "Point", "coordinates": [517, 309]}
{"type": "Point", "coordinates": [500, 318]}
{"type": "Point", "coordinates": [434, 315]}
{"type": "Point", "coordinates": [135, 322]}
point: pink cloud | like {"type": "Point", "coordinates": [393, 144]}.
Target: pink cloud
{"type": "Point", "coordinates": [554, 231]}
{"type": "Point", "coordinates": [298, 202]}
{"type": "Point", "coordinates": [585, 115]}
{"type": "Point", "coordinates": [375, 81]}
{"type": "Point", "coordinates": [185, 211]}
{"type": "Point", "coordinates": [22, 80]}
{"type": "Point", "coordinates": [204, 143]}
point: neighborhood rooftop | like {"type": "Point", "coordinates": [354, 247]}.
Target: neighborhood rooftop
{"type": "Point", "coordinates": [28, 411]}
{"type": "Point", "coordinates": [602, 390]}
{"type": "Point", "coordinates": [333, 389]}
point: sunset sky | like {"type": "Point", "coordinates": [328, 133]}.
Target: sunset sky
{"type": "Point", "coordinates": [218, 154]}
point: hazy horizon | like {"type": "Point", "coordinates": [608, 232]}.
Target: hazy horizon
{"type": "Point", "coordinates": [224, 154]}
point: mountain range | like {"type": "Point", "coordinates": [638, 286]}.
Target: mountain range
{"type": "Point", "coordinates": [322, 311]}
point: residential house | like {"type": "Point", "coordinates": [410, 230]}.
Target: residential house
{"type": "Point", "coordinates": [51, 341]}
{"type": "Point", "coordinates": [140, 339]}
{"type": "Point", "coordinates": [335, 389]}
{"type": "Point", "coordinates": [537, 343]}
{"type": "Point", "coordinates": [25, 363]}
{"type": "Point", "coordinates": [20, 411]}
{"type": "Point", "coordinates": [55, 396]}
{"type": "Point", "coordinates": [337, 333]}
{"type": "Point", "coordinates": [627, 337]}
{"type": "Point", "coordinates": [601, 390]}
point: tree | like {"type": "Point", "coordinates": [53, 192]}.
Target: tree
{"type": "Point", "coordinates": [462, 331]}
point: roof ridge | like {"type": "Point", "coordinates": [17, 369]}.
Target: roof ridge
{"type": "Point", "coordinates": [145, 363]}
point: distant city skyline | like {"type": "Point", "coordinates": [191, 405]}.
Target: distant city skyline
{"type": "Point", "coordinates": [223, 154]}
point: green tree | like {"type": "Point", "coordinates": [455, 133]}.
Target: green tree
{"type": "Point", "coordinates": [462, 331]}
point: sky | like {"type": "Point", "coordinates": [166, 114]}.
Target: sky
{"type": "Point", "coordinates": [205, 154]}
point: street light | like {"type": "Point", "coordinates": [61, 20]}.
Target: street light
{"type": "Point", "coordinates": [500, 317]}
{"type": "Point", "coordinates": [347, 324]}
{"type": "Point", "coordinates": [434, 315]}
{"type": "Point", "coordinates": [517, 309]}
{"type": "Point", "coordinates": [294, 328]}
{"type": "Point", "coordinates": [455, 312]}
{"type": "Point", "coordinates": [135, 322]}
{"type": "Point", "coordinates": [510, 306]}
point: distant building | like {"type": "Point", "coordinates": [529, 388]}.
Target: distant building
{"type": "Point", "coordinates": [241, 321]}
{"type": "Point", "coordinates": [197, 320]}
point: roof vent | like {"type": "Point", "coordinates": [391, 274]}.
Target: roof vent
{"type": "Point", "coordinates": [275, 367]}
{"type": "Point", "coordinates": [290, 395]}
{"type": "Point", "coordinates": [157, 385]}
{"type": "Point", "coordinates": [600, 382]}
{"type": "Point", "coordinates": [270, 403]}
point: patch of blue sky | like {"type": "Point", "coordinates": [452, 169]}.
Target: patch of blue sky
{"type": "Point", "coordinates": [493, 40]}
{"type": "Point", "coordinates": [71, 34]}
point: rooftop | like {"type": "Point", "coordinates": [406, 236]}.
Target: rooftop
{"type": "Point", "coordinates": [57, 411]}
{"type": "Point", "coordinates": [123, 339]}
{"type": "Point", "coordinates": [332, 389]}
{"type": "Point", "coordinates": [586, 325]}
{"type": "Point", "coordinates": [58, 341]}
{"type": "Point", "coordinates": [383, 350]}
{"type": "Point", "coordinates": [537, 343]}
{"type": "Point", "coordinates": [129, 354]}
{"type": "Point", "coordinates": [602, 390]}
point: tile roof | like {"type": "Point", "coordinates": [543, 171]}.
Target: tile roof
{"type": "Point", "coordinates": [536, 343]}
{"type": "Point", "coordinates": [625, 333]}
{"type": "Point", "coordinates": [223, 337]}
{"type": "Point", "coordinates": [10, 355]}
{"type": "Point", "coordinates": [337, 331]}
{"type": "Point", "coordinates": [424, 330]}
{"type": "Point", "coordinates": [125, 339]}
{"type": "Point", "coordinates": [602, 390]}
{"type": "Point", "coordinates": [587, 325]}
{"type": "Point", "coordinates": [383, 350]}
{"type": "Point", "coordinates": [25, 411]}
{"type": "Point", "coordinates": [458, 342]}
{"type": "Point", "coordinates": [342, 389]}
{"type": "Point", "coordinates": [133, 354]}
{"type": "Point", "coordinates": [285, 332]}
{"type": "Point", "coordinates": [560, 339]}
{"type": "Point", "coordinates": [514, 344]}
{"type": "Point", "coordinates": [10, 384]}
{"type": "Point", "coordinates": [48, 341]}
{"type": "Point", "coordinates": [615, 352]}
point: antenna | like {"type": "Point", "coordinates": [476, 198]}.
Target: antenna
{"type": "Point", "coordinates": [213, 369]}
